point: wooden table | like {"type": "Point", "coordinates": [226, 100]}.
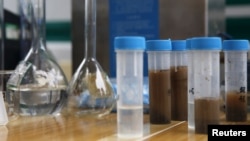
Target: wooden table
{"type": "Point", "coordinates": [70, 128]}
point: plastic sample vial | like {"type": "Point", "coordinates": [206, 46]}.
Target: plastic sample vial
{"type": "Point", "coordinates": [179, 82]}
{"type": "Point", "coordinates": [129, 66]}
{"type": "Point", "coordinates": [190, 93]}
{"type": "Point", "coordinates": [206, 69]}
{"type": "Point", "coordinates": [235, 52]}
{"type": "Point", "coordinates": [159, 52]}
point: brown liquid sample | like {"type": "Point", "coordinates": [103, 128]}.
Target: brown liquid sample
{"type": "Point", "coordinates": [160, 96]}
{"type": "Point", "coordinates": [179, 93]}
{"type": "Point", "coordinates": [236, 106]}
{"type": "Point", "coordinates": [207, 111]}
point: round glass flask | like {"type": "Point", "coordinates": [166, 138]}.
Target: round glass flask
{"type": "Point", "coordinates": [41, 89]}
{"type": "Point", "coordinates": [90, 90]}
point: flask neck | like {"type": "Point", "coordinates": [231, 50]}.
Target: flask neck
{"type": "Point", "coordinates": [90, 29]}
{"type": "Point", "coordinates": [37, 11]}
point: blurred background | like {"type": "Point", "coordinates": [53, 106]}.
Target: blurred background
{"type": "Point", "coordinates": [154, 19]}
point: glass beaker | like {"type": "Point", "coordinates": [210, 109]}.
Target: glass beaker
{"type": "Point", "coordinates": [90, 90]}
{"type": "Point", "coordinates": [42, 86]}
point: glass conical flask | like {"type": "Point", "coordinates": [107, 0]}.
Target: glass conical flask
{"type": "Point", "coordinates": [90, 90]}
{"type": "Point", "coordinates": [41, 89]}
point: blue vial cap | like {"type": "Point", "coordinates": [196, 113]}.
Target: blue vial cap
{"type": "Point", "coordinates": [179, 45]}
{"type": "Point", "coordinates": [158, 45]}
{"type": "Point", "coordinates": [188, 43]}
{"type": "Point", "coordinates": [206, 43]}
{"type": "Point", "coordinates": [130, 42]}
{"type": "Point", "coordinates": [235, 45]}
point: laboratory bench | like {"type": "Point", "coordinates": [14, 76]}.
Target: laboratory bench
{"type": "Point", "coordinates": [72, 128]}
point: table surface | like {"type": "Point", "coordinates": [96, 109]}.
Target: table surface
{"type": "Point", "coordinates": [71, 128]}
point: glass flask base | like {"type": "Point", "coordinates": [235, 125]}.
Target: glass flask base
{"type": "Point", "coordinates": [13, 117]}
{"type": "Point", "coordinates": [95, 113]}
{"type": "Point", "coordinates": [35, 110]}
{"type": "Point", "coordinates": [39, 101]}
{"type": "Point", "coordinates": [90, 105]}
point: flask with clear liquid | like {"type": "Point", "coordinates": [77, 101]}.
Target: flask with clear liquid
{"type": "Point", "coordinates": [41, 89]}
{"type": "Point", "coordinates": [90, 90]}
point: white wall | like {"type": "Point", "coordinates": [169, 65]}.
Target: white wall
{"type": "Point", "coordinates": [56, 10]}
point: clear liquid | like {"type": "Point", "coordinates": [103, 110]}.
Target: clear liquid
{"type": "Point", "coordinates": [39, 101]}
{"type": "Point", "coordinates": [86, 104]}
{"type": "Point", "coordinates": [191, 115]}
{"type": "Point", "coordinates": [130, 122]}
